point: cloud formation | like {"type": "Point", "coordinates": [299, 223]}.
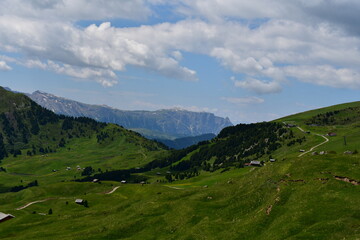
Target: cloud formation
{"type": "Point", "coordinates": [74, 10]}
{"type": "Point", "coordinates": [251, 11]}
{"type": "Point", "coordinates": [91, 53]}
{"type": "Point", "coordinates": [260, 87]}
{"type": "Point", "coordinates": [265, 44]}
{"type": "Point", "coordinates": [4, 66]}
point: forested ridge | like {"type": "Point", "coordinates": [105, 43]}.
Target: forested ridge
{"type": "Point", "coordinates": [338, 117]}
{"type": "Point", "coordinates": [233, 147]}
{"type": "Point", "coordinates": [27, 128]}
{"type": "Point", "coordinates": [35, 129]}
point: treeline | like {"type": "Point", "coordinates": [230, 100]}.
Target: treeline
{"type": "Point", "coordinates": [18, 188]}
{"type": "Point", "coordinates": [233, 147]}
{"type": "Point", "coordinates": [182, 175]}
{"type": "Point", "coordinates": [27, 128]}
{"type": "Point", "coordinates": [337, 117]}
{"type": "Point", "coordinates": [130, 175]}
{"type": "Point", "coordinates": [173, 157]}
{"type": "Point", "coordinates": [116, 175]}
{"type": "Point", "coordinates": [107, 135]}
{"type": "Point", "coordinates": [3, 152]}
{"type": "Point", "coordinates": [37, 130]}
{"type": "Point", "coordinates": [18, 124]}
{"type": "Point", "coordinates": [21, 187]}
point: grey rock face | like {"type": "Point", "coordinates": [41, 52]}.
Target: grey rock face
{"type": "Point", "coordinates": [174, 122]}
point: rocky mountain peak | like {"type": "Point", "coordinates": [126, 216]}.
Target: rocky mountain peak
{"type": "Point", "coordinates": [175, 122]}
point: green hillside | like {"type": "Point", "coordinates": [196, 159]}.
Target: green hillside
{"type": "Point", "coordinates": [306, 115]}
{"type": "Point", "coordinates": [341, 121]}
{"type": "Point", "coordinates": [36, 142]}
{"type": "Point", "coordinates": [206, 191]}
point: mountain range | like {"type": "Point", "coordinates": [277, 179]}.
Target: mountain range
{"type": "Point", "coordinates": [161, 124]}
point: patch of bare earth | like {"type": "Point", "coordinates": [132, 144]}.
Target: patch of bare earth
{"type": "Point", "coordinates": [348, 180]}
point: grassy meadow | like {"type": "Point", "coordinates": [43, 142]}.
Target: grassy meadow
{"type": "Point", "coordinates": [292, 198]}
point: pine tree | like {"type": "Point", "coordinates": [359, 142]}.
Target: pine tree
{"type": "Point", "coordinates": [3, 152]}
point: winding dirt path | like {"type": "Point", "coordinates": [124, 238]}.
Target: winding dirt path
{"type": "Point", "coordinates": [174, 187]}
{"type": "Point", "coordinates": [311, 149]}
{"type": "Point", "coordinates": [112, 191]}
{"type": "Point", "coordinates": [47, 199]}
{"type": "Point", "coordinates": [31, 203]}
{"type": "Point", "coordinates": [301, 129]}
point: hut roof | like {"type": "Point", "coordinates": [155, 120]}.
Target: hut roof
{"type": "Point", "coordinates": [255, 162]}
{"type": "Point", "coordinates": [4, 216]}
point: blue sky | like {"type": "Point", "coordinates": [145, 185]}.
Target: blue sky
{"type": "Point", "coordinates": [248, 60]}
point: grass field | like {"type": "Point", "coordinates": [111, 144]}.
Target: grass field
{"type": "Point", "coordinates": [301, 117]}
{"type": "Point", "coordinates": [119, 154]}
{"type": "Point", "coordinates": [307, 197]}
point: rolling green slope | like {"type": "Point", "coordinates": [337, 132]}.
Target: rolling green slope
{"type": "Point", "coordinates": [341, 121]}
{"type": "Point", "coordinates": [301, 117]}
{"type": "Point", "coordinates": [293, 199]}
{"type": "Point", "coordinates": [299, 196]}
{"type": "Point", "coordinates": [38, 144]}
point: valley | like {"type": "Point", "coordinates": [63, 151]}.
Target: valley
{"type": "Point", "coordinates": [310, 189]}
{"type": "Point", "coordinates": [167, 124]}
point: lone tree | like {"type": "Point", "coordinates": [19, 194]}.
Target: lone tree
{"type": "Point", "coordinates": [87, 171]}
{"type": "Point", "coordinates": [50, 211]}
{"type": "Point", "coordinates": [169, 177]}
{"type": "Point", "coordinates": [3, 152]}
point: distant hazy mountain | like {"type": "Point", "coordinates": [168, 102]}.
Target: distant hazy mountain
{"type": "Point", "coordinates": [185, 142]}
{"type": "Point", "coordinates": [170, 124]}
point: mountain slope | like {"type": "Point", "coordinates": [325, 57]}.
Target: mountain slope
{"type": "Point", "coordinates": [205, 191]}
{"type": "Point", "coordinates": [173, 122]}
{"type": "Point", "coordinates": [300, 117]}
{"type": "Point", "coordinates": [27, 128]}
{"type": "Point", "coordinates": [333, 129]}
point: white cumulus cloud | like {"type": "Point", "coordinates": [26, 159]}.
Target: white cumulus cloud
{"type": "Point", "coordinates": [103, 49]}
{"type": "Point", "coordinates": [277, 41]}
{"type": "Point", "coordinates": [74, 10]}
{"type": "Point", "coordinates": [258, 86]}
{"type": "Point", "coordinates": [4, 66]}
{"type": "Point", "coordinates": [326, 75]}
